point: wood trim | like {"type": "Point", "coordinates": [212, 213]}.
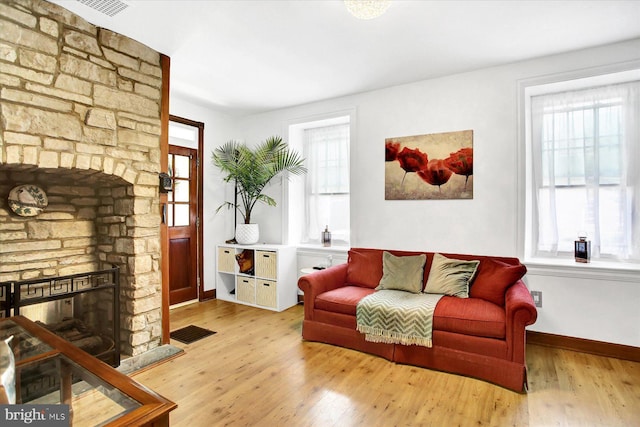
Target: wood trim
{"type": "Point", "coordinates": [598, 348]}
{"type": "Point", "coordinates": [183, 263]}
{"type": "Point", "coordinates": [154, 409]}
{"type": "Point", "coordinates": [165, 63]}
{"type": "Point", "coordinates": [210, 294]}
{"type": "Point", "coordinates": [200, 211]}
{"type": "Point", "coordinates": [200, 177]}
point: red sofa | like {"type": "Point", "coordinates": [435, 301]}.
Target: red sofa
{"type": "Point", "coordinates": [482, 336]}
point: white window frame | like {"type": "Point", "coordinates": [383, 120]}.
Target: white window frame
{"type": "Point", "coordinates": [558, 266]}
{"type": "Point", "coordinates": [294, 190]}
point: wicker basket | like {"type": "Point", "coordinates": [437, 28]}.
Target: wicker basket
{"type": "Point", "coordinates": [226, 260]}
{"type": "Point", "coordinates": [266, 293]}
{"type": "Point", "coordinates": [266, 264]}
{"type": "Point", "coordinates": [246, 289]}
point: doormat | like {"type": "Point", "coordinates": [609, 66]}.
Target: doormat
{"type": "Point", "coordinates": [190, 334]}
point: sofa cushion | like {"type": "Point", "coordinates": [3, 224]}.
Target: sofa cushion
{"type": "Point", "coordinates": [402, 273]}
{"type": "Point", "coordinates": [342, 300]}
{"type": "Point", "coordinates": [493, 279]}
{"type": "Point", "coordinates": [469, 316]}
{"type": "Point", "coordinates": [364, 268]}
{"type": "Point", "coordinates": [450, 276]}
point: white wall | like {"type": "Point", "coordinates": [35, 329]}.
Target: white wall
{"type": "Point", "coordinates": [485, 101]}
{"type": "Point", "coordinates": [586, 302]}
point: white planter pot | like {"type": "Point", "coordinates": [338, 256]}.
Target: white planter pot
{"type": "Point", "coordinates": [247, 234]}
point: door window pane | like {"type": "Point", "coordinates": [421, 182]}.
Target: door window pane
{"type": "Point", "coordinates": [181, 191]}
{"type": "Point", "coordinates": [170, 215]}
{"type": "Point", "coordinates": [181, 166]}
{"type": "Point", "coordinates": [182, 215]}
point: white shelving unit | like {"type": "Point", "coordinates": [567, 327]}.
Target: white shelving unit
{"type": "Point", "coordinates": [273, 283]}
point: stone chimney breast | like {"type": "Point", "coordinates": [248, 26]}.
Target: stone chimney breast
{"type": "Point", "coordinates": [80, 118]}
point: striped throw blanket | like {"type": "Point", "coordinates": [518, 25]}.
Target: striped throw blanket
{"type": "Point", "coordinates": [397, 317]}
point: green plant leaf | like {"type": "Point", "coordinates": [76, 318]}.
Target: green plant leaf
{"type": "Point", "coordinates": [252, 169]}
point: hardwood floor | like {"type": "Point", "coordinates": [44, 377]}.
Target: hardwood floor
{"type": "Point", "coordinates": [257, 371]}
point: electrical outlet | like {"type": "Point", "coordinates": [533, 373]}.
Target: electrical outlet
{"type": "Point", "coordinates": [537, 298]}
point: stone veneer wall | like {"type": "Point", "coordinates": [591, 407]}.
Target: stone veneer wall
{"type": "Point", "coordinates": [80, 117]}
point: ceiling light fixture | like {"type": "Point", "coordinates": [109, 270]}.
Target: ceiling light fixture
{"type": "Point", "coordinates": [367, 9]}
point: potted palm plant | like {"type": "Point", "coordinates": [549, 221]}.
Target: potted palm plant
{"type": "Point", "coordinates": [251, 169]}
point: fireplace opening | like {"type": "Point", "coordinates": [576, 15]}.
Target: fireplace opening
{"type": "Point", "coordinates": [93, 221]}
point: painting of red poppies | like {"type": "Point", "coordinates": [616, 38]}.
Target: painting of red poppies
{"type": "Point", "coordinates": [433, 166]}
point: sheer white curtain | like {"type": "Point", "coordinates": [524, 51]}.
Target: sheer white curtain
{"type": "Point", "coordinates": [327, 182]}
{"type": "Point", "coordinates": [585, 152]}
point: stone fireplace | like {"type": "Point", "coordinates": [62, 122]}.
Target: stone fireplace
{"type": "Point", "coordinates": [80, 118]}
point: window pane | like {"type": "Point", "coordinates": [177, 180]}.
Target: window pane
{"type": "Point", "coordinates": [181, 166]}
{"type": "Point", "coordinates": [170, 215]}
{"type": "Point", "coordinates": [575, 163]}
{"type": "Point", "coordinates": [560, 131]}
{"type": "Point", "coordinates": [610, 164]}
{"type": "Point", "coordinates": [612, 219]}
{"type": "Point", "coordinates": [332, 210]}
{"type": "Point", "coordinates": [181, 190]}
{"type": "Point", "coordinates": [577, 128]}
{"type": "Point", "coordinates": [575, 216]}
{"type": "Point", "coordinates": [182, 215]}
{"type": "Point", "coordinates": [328, 154]}
{"type": "Point", "coordinates": [609, 118]}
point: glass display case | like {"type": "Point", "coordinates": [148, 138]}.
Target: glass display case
{"type": "Point", "coordinates": [50, 370]}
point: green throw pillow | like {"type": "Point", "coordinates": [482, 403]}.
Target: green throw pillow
{"type": "Point", "coordinates": [402, 273]}
{"type": "Point", "coordinates": [450, 276]}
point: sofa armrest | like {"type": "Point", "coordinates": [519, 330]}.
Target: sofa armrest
{"type": "Point", "coordinates": [319, 282]}
{"type": "Point", "coordinates": [520, 312]}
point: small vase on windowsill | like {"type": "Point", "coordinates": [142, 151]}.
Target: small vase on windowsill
{"type": "Point", "coordinates": [582, 249]}
{"type": "Point", "coordinates": [326, 237]}
{"type": "Point", "coordinates": [247, 234]}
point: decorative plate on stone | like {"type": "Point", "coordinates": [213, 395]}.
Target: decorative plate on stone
{"type": "Point", "coordinates": [27, 200]}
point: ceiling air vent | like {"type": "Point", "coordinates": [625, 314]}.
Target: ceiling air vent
{"type": "Point", "coordinates": [108, 7]}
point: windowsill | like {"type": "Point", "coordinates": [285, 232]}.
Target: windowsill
{"type": "Point", "coordinates": [320, 248]}
{"type": "Point", "coordinates": [597, 270]}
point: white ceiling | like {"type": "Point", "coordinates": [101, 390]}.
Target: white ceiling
{"type": "Point", "coordinates": [250, 56]}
